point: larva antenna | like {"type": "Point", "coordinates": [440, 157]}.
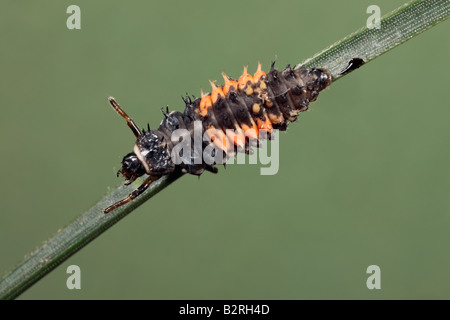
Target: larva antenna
{"type": "Point", "coordinates": [122, 113]}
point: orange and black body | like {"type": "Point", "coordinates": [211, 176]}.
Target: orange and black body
{"type": "Point", "coordinates": [247, 106]}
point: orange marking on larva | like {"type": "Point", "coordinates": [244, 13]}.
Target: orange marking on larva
{"type": "Point", "coordinates": [294, 113]}
{"type": "Point", "coordinates": [258, 74]}
{"type": "Point", "coordinates": [275, 119]}
{"type": "Point", "coordinates": [249, 90]}
{"type": "Point", "coordinates": [205, 104]}
{"type": "Point", "coordinates": [265, 125]}
{"type": "Point", "coordinates": [226, 143]}
{"type": "Point", "coordinates": [262, 85]}
{"type": "Point", "coordinates": [240, 139]}
{"type": "Point", "coordinates": [228, 84]}
{"type": "Point", "coordinates": [219, 139]}
{"type": "Point", "coordinates": [237, 137]}
{"type": "Point", "coordinates": [244, 79]}
{"type": "Point", "coordinates": [212, 134]}
{"type": "Point", "coordinates": [250, 132]}
{"type": "Point", "coordinates": [216, 91]}
{"type": "Point", "coordinates": [256, 108]}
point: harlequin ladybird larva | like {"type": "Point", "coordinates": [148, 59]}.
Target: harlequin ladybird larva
{"type": "Point", "coordinates": [232, 115]}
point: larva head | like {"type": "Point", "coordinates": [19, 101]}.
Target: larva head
{"type": "Point", "coordinates": [132, 167]}
{"type": "Point", "coordinates": [153, 155]}
{"type": "Point", "coordinates": [150, 153]}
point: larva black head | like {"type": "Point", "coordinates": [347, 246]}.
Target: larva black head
{"type": "Point", "coordinates": [132, 167]}
{"type": "Point", "coordinates": [150, 153]}
{"type": "Point", "coordinates": [153, 153]}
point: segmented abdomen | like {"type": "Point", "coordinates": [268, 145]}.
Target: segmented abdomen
{"type": "Point", "coordinates": [247, 106]}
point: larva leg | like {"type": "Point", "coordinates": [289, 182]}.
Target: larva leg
{"type": "Point", "coordinates": [132, 195]}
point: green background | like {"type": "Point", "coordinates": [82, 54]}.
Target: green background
{"type": "Point", "coordinates": [364, 175]}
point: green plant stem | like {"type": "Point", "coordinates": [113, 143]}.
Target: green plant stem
{"type": "Point", "coordinates": [75, 236]}
{"type": "Point", "coordinates": [396, 28]}
{"type": "Point", "coordinates": [367, 44]}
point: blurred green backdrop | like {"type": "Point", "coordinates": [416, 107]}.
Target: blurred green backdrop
{"type": "Point", "coordinates": [364, 176]}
